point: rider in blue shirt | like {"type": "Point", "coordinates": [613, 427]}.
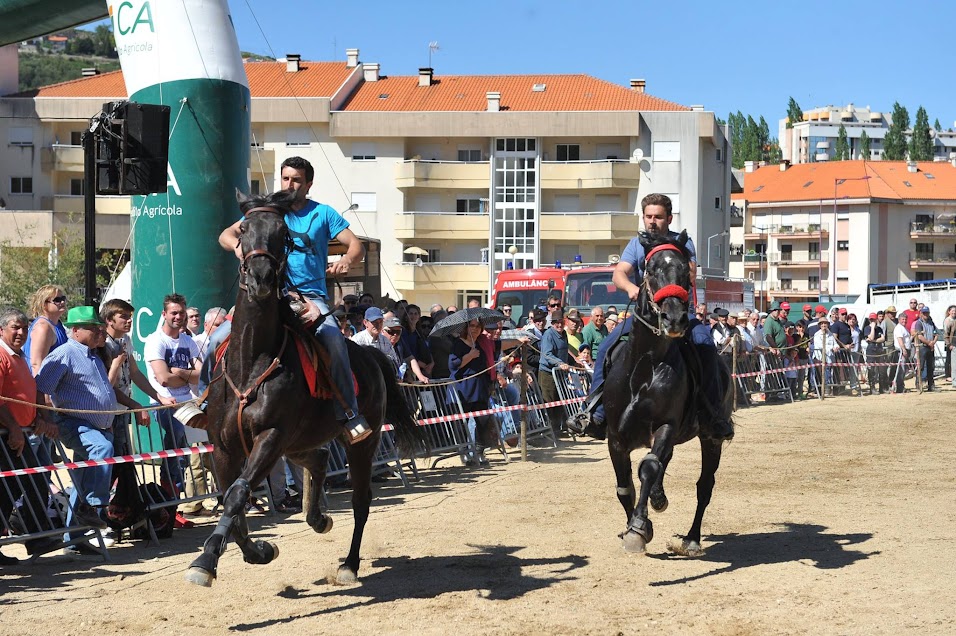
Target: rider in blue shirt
{"type": "Point", "coordinates": [312, 225]}
{"type": "Point", "coordinates": [628, 275]}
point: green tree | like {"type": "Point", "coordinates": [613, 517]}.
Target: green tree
{"type": "Point", "coordinates": [774, 154]}
{"type": "Point", "coordinates": [842, 152]}
{"type": "Point", "coordinates": [26, 269]}
{"type": "Point", "coordinates": [794, 113]}
{"type": "Point", "coordinates": [43, 70]}
{"type": "Point", "coordinates": [763, 140]}
{"type": "Point", "coordinates": [936, 125]}
{"type": "Point", "coordinates": [83, 46]}
{"type": "Point", "coordinates": [921, 144]}
{"type": "Point", "coordinates": [103, 43]}
{"type": "Point", "coordinates": [864, 146]}
{"type": "Point", "coordinates": [738, 126]}
{"type": "Point", "coordinates": [894, 143]}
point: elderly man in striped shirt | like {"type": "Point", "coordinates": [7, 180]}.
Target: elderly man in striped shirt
{"type": "Point", "coordinates": [74, 377]}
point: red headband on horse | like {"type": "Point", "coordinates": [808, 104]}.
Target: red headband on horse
{"type": "Point", "coordinates": [667, 291]}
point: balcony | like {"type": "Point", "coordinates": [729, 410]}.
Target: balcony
{"type": "Point", "coordinates": [791, 289]}
{"type": "Point", "coordinates": [754, 261]}
{"type": "Point", "coordinates": [70, 204]}
{"type": "Point", "coordinates": [441, 226]}
{"type": "Point", "coordinates": [798, 260]}
{"type": "Point", "coordinates": [811, 231]}
{"type": "Point", "coordinates": [941, 228]}
{"type": "Point", "coordinates": [415, 173]}
{"type": "Point", "coordinates": [262, 160]}
{"type": "Point", "coordinates": [575, 175]}
{"type": "Point", "coordinates": [588, 226]}
{"type": "Point", "coordinates": [930, 259]}
{"type": "Point", "coordinates": [441, 276]}
{"type": "Point", "coordinates": [62, 158]}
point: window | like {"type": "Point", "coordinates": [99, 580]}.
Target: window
{"type": "Point", "coordinates": [786, 283]}
{"type": "Point", "coordinates": [924, 251]}
{"type": "Point", "coordinates": [469, 154]}
{"type": "Point", "coordinates": [786, 253]}
{"type": "Point", "coordinates": [843, 246]}
{"type": "Point", "coordinates": [813, 248]}
{"type": "Point", "coordinates": [464, 295]}
{"type": "Point", "coordinates": [76, 138]}
{"type": "Point", "coordinates": [363, 151]}
{"type": "Point", "coordinates": [720, 155]}
{"type": "Point", "coordinates": [366, 201]}
{"type": "Point", "coordinates": [297, 136]}
{"type": "Point", "coordinates": [920, 276]}
{"type": "Point", "coordinates": [76, 187]}
{"type": "Point", "coordinates": [813, 281]}
{"type": "Point", "coordinates": [569, 152]}
{"type": "Point", "coordinates": [21, 185]}
{"type": "Point", "coordinates": [716, 203]}
{"type": "Point", "coordinates": [666, 151]}
{"type": "Point", "coordinates": [468, 206]}
{"type": "Point", "coordinates": [255, 187]}
{"type": "Point", "coordinates": [21, 136]}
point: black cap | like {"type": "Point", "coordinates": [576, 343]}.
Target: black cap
{"type": "Point", "coordinates": [721, 312]}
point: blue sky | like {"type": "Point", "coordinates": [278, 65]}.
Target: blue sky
{"type": "Point", "coordinates": [746, 55]}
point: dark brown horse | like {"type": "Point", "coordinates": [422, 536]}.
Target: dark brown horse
{"type": "Point", "coordinates": [651, 396]}
{"type": "Point", "coordinates": [279, 417]}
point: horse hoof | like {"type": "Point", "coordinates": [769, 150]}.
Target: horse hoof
{"type": "Point", "coordinates": [659, 504]}
{"type": "Point", "coordinates": [345, 576]}
{"type": "Point", "coordinates": [200, 576]}
{"type": "Point", "coordinates": [686, 548]}
{"type": "Point", "coordinates": [323, 525]}
{"type": "Point", "coordinates": [634, 543]}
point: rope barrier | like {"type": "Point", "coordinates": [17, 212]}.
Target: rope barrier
{"type": "Point", "coordinates": [56, 409]}
{"type": "Point", "coordinates": [122, 459]}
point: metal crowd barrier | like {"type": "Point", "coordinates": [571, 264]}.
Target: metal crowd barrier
{"type": "Point", "coordinates": [34, 506]}
{"type": "Point", "coordinates": [510, 421]}
{"type": "Point", "coordinates": [448, 438]}
{"type": "Point", "coordinates": [762, 374]}
{"type": "Point", "coordinates": [573, 384]}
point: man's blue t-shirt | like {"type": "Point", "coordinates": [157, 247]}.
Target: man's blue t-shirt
{"type": "Point", "coordinates": [634, 254]}
{"type": "Point", "coordinates": [311, 229]}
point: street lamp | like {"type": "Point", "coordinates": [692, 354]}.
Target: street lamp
{"type": "Point", "coordinates": [837, 182]}
{"type": "Point", "coordinates": [709, 239]}
{"type": "Point", "coordinates": [512, 250]}
{"type": "Point", "coordinates": [762, 256]}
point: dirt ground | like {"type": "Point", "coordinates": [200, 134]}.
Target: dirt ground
{"type": "Point", "coordinates": [828, 518]}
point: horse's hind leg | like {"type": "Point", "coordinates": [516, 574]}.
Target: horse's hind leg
{"type": "Point", "coordinates": [360, 466]}
{"type": "Point", "coordinates": [202, 571]}
{"type": "Point", "coordinates": [657, 496]}
{"type": "Point", "coordinates": [710, 461]}
{"type": "Point", "coordinates": [640, 530]}
{"type": "Point", "coordinates": [621, 460]}
{"type": "Point", "coordinates": [316, 463]}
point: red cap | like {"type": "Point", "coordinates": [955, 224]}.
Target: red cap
{"type": "Point", "coordinates": [819, 308]}
{"type": "Point", "coordinates": [842, 311]}
{"type": "Point", "coordinates": [873, 316]}
{"type": "Point", "coordinates": [807, 307]}
{"type": "Point", "coordinates": [785, 305]}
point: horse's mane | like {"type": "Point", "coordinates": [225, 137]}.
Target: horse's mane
{"type": "Point", "coordinates": [281, 200]}
{"type": "Point", "coordinates": [650, 241]}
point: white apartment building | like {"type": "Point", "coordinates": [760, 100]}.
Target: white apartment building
{"type": "Point", "coordinates": [825, 231]}
{"type": "Point", "coordinates": [814, 139]}
{"type": "Point", "coordinates": [477, 171]}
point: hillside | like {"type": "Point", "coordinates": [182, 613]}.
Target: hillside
{"type": "Point", "coordinates": [43, 69]}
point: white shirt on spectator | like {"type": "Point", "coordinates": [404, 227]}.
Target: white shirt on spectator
{"type": "Point", "coordinates": [901, 332]}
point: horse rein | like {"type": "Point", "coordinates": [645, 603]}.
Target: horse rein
{"type": "Point", "coordinates": [279, 264]}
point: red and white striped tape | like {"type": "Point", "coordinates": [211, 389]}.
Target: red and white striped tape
{"type": "Point", "coordinates": [500, 409]}
{"type": "Point", "coordinates": [777, 370]}
{"type": "Point", "coordinates": [121, 459]}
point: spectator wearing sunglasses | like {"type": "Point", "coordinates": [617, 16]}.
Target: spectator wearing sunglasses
{"type": "Point", "coordinates": [46, 331]}
{"type": "Point", "coordinates": [509, 322]}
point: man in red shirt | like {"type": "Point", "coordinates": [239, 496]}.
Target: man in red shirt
{"type": "Point", "coordinates": [908, 316]}
{"type": "Point", "coordinates": [16, 382]}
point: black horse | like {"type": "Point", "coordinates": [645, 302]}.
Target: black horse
{"type": "Point", "coordinates": [278, 416]}
{"type": "Point", "coordinates": [651, 397]}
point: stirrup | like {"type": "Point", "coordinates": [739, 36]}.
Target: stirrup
{"type": "Point", "coordinates": [357, 431]}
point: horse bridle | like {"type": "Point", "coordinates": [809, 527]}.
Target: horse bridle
{"type": "Point", "coordinates": [278, 264]}
{"type": "Point", "coordinates": [667, 291]}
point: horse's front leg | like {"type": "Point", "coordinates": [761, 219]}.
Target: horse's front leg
{"type": "Point", "coordinates": [621, 460]}
{"type": "Point", "coordinates": [265, 452]}
{"type": "Point", "coordinates": [657, 496]}
{"type": "Point", "coordinates": [710, 460]}
{"type": "Point", "coordinates": [316, 463]}
{"type": "Point", "coordinates": [640, 530]}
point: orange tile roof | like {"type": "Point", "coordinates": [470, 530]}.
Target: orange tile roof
{"type": "Point", "coordinates": [886, 180]}
{"type": "Point", "coordinates": [452, 93]}
{"type": "Point", "coordinates": [266, 79]}
{"type": "Point", "coordinates": [468, 93]}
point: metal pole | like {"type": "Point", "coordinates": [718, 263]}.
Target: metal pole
{"type": "Point", "coordinates": [89, 218]}
{"type": "Point", "coordinates": [822, 385]}
{"type": "Point", "coordinates": [523, 400]}
{"type": "Point", "coordinates": [733, 379]}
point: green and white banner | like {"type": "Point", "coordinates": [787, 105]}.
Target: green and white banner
{"type": "Point", "coordinates": [185, 54]}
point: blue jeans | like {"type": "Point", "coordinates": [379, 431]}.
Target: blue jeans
{"type": "Point", "coordinates": [174, 436]}
{"type": "Point", "coordinates": [87, 442]}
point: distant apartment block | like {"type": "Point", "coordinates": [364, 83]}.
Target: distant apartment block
{"type": "Point", "coordinates": [814, 139]}
{"type": "Point", "coordinates": [825, 231]}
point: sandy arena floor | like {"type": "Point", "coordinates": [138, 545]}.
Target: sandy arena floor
{"type": "Point", "coordinates": [828, 518]}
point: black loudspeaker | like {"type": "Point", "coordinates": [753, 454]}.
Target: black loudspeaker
{"type": "Point", "coordinates": [132, 147]}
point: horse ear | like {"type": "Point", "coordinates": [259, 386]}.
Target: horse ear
{"type": "Point", "coordinates": [682, 239]}
{"type": "Point", "coordinates": [644, 238]}
{"type": "Point", "coordinates": [240, 197]}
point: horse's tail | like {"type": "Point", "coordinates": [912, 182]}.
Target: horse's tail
{"type": "Point", "coordinates": [410, 438]}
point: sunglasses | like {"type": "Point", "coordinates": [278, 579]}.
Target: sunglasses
{"type": "Point", "coordinates": [393, 332]}
{"type": "Point", "coordinates": [553, 305]}
{"type": "Point", "coordinates": [506, 310]}
{"type": "Point", "coordinates": [57, 299]}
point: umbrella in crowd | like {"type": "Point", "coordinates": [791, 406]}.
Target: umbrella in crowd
{"type": "Point", "coordinates": [451, 324]}
{"type": "Point", "coordinates": [515, 334]}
